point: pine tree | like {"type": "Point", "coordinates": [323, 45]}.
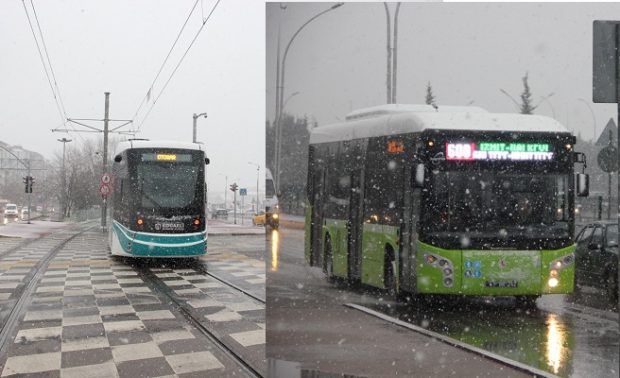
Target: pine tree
{"type": "Point", "coordinates": [526, 98]}
{"type": "Point", "coordinates": [430, 97]}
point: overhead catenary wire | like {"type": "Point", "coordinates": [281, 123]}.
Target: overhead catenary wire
{"type": "Point", "coordinates": [36, 41]}
{"type": "Point", "coordinates": [144, 99]}
{"type": "Point", "coordinates": [49, 61]}
{"type": "Point", "coordinates": [55, 88]}
{"type": "Point", "coordinates": [204, 22]}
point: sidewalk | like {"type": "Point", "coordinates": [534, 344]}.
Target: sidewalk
{"type": "Point", "coordinates": [36, 229]}
{"type": "Point", "coordinates": [220, 227]}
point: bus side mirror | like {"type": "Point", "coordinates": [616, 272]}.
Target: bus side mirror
{"type": "Point", "coordinates": [583, 184]}
{"type": "Point", "coordinates": [207, 161]}
{"type": "Point", "coordinates": [418, 180]}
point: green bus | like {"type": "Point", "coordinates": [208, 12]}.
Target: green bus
{"type": "Point", "coordinates": [450, 200]}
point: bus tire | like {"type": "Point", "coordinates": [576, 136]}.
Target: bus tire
{"type": "Point", "coordinates": [328, 265]}
{"type": "Point", "coordinates": [389, 280]}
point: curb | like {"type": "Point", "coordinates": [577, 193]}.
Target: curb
{"type": "Point", "coordinates": [455, 343]}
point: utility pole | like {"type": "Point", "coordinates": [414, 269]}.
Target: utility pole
{"type": "Point", "coordinates": [195, 116]}
{"type": "Point", "coordinates": [106, 130]}
{"type": "Point", "coordinates": [104, 206]}
{"type": "Point", "coordinates": [64, 141]}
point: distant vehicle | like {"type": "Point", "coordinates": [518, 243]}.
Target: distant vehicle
{"type": "Point", "coordinates": [454, 200]}
{"type": "Point", "coordinates": [24, 213]}
{"type": "Point", "coordinates": [259, 219]}
{"type": "Point", "coordinates": [272, 208]}
{"type": "Point", "coordinates": [220, 214]}
{"type": "Point", "coordinates": [597, 257]}
{"type": "Point", "coordinates": [11, 213]}
{"type": "Point", "coordinates": [158, 199]}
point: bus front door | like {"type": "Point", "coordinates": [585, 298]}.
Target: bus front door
{"type": "Point", "coordinates": [317, 218]}
{"type": "Point", "coordinates": [354, 260]}
{"type": "Point", "coordinates": [409, 234]}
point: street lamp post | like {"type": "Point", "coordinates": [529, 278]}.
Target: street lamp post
{"type": "Point", "coordinates": [511, 98]}
{"type": "Point", "coordinates": [546, 99]}
{"type": "Point", "coordinates": [64, 142]}
{"type": "Point", "coordinates": [196, 116]}
{"type": "Point", "coordinates": [280, 90]}
{"type": "Point", "coordinates": [257, 181]}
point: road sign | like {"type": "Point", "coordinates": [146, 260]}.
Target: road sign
{"type": "Point", "coordinates": [243, 191]}
{"type": "Point", "coordinates": [605, 137]}
{"type": "Point", "coordinates": [608, 159]}
{"type": "Point", "coordinates": [234, 187]}
{"type": "Point", "coordinates": [604, 54]}
{"type": "Point", "coordinates": [105, 178]}
{"type": "Point", "coordinates": [104, 189]}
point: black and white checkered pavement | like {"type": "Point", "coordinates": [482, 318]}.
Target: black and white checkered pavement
{"type": "Point", "coordinates": [93, 316]}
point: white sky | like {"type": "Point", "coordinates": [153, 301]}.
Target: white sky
{"type": "Point", "coordinates": [118, 46]}
{"type": "Point", "coordinates": [468, 51]}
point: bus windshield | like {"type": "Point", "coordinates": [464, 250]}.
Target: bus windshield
{"type": "Point", "coordinates": [166, 185]}
{"type": "Point", "coordinates": [497, 205]}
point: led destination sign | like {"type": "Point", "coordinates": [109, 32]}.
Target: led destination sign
{"type": "Point", "coordinates": [167, 157]}
{"type": "Point", "coordinates": [499, 151]}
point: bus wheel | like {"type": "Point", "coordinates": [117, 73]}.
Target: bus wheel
{"type": "Point", "coordinates": [329, 260]}
{"type": "Point", "coordinates": [527, 301]}
{"type": "Point", "coordinates": [389, 280]}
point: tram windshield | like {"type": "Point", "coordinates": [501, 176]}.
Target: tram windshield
{"type": "Point", "coordinates": [167, 185]}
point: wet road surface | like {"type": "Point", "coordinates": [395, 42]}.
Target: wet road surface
{"type": "Point", "coordinates": [561, 335]}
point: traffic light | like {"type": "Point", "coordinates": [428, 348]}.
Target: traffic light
{"type": "Point", "coordinates": [28, 181]}
{"type": "Point", "coordinates": [233, 187]}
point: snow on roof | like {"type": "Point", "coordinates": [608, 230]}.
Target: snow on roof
{"type": "Point", "coordinates": [380, 110]}
{"type": "Point", "coordinates": [448, 118]}
{"type": "Point", "coordinates": [122, 146]}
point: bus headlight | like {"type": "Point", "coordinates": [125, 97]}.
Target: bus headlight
{"type": "Point", "coordinates": [553, 282]}
{"type": "Point", "coordinates": [553, 273]}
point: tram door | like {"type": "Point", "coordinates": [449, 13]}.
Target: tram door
{"type": "Point", "coordinates": [354, 226]}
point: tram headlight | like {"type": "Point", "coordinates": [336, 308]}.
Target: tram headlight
{"type": "Point", "coordinates": [553, 282]}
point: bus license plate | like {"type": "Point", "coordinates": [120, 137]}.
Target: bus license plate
{"type": "Point", "coordinates": [511, 283]}
{"type": "Point", "coordinates": [170, 226]}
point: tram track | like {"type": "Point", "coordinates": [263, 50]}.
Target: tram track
{"type": "Point", "coordinates": [203, 270]}
{"type": "Point", "coordinates": [24, 293]}
{"type": "Point", "coordinates": [162, 290]}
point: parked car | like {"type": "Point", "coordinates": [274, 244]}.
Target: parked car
{"type": "Point", "coordinates": [220, 214]}
{"type": "Point", "coordinates": [259, 219]}
{"type": "Point", "coordinates": [596, 257]}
